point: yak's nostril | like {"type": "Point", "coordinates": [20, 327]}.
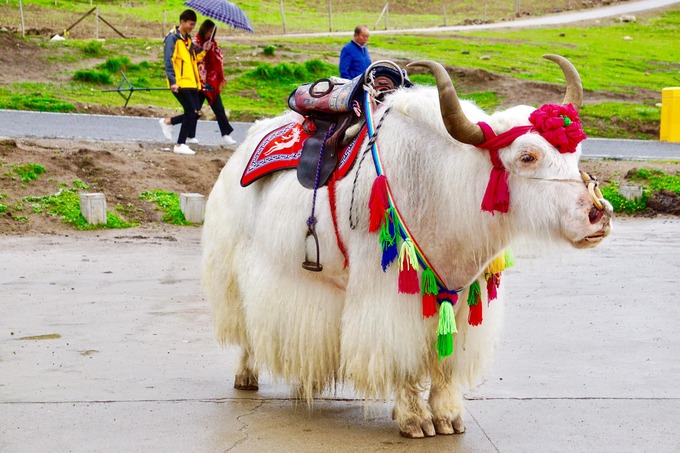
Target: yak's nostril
{"type": "Point", "coordinates": [595, 215]}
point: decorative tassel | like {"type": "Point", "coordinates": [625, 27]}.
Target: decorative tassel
{"type": "Point", "coordinates": [388, 239]}
{"type": "Point", "coordinates": [497, 264]}
{"type": "Point", "coordinates": [475, 304]}
{"type": "Point", "coordinates": [445, 330]}
{"type": "Point", "coordinates": [428, 289]}
{"type": "Point", "coordinates": [509, 258]}
{"type": "Point", "coordinates": [378, 203]}
{"type": "Point", "coordinates": [492, 283]}
{"type": "Point", "coordinates": [408, 268]}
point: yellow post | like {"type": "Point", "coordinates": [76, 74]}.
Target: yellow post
{"type": "Point", "coordinates": [670, 115]}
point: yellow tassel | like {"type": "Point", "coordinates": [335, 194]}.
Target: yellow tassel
{"type": "Point", "coordinates": [497, 265]}
{"type": "Point", "coordinates": [409, 251]}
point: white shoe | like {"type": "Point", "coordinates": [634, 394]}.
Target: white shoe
{"type": "Point", "coordinates": [228, 140]}
{"type": "Point", "coordinates": [192, 140]}
{"type": "Point", "coordinates": [183, 149]}
{"type": "Point", "coordinates": [166, 128]}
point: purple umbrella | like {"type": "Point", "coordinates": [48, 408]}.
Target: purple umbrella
{"type": "Point", "coordinates": [223, 11]}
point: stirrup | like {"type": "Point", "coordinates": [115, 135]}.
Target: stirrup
{"type": "Point", "coordinates": [313, 266]}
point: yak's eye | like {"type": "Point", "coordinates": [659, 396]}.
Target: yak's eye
{"type": "Point", "coordinates": [527, 157]}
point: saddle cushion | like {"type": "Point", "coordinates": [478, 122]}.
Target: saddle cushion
{"type": "Point", "coordinates": [281, 149]}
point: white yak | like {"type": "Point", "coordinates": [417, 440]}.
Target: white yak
{"type": "Point", "coordinates": [349, 324]}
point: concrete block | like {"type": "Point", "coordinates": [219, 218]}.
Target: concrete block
{"type": "Point", "coordinates": [631, 192]}
{"type": "Point", "coordinates": [192, 206]}
{"type": "Point", "coordinates": [93, 207]}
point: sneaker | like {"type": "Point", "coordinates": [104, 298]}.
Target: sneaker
{"type": "Point", "coordinates": [166, 128]}
{"type": "Point", "coordinates": [228, 140]}
{"type": "Point", "coordinates": [183, 149]}
{"type": "Point", "coordinates": [192, 140]}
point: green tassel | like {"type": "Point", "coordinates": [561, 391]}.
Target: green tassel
{"type": "Point", "coordinates": [509, 258]}
{"type": "Point", "coordinates": [445, 330]}
{"type": "Point", "coordinates": [429, 282]}
{"type": "Point", "coordinates": [474, 294]}
{"type": "Point", "coordinates": [389, 228]}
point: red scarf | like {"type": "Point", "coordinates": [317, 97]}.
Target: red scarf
{"type": "Point", "coordinates": [211, 70]}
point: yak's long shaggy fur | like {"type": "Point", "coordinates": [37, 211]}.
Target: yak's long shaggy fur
{"type": "Point", "coordinates": [314, 329]}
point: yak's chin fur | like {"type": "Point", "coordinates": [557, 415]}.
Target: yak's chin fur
{"type": "Point", "coordinates": [350, 324]}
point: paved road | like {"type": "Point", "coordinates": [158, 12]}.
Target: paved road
{"type": "Point", "coordinates": [19, 124]}
{"type": "Point", "coordinates": [106, 345]}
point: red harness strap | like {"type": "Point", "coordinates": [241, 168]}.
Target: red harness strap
{"type": "Point", "coordinates": [334, 215]}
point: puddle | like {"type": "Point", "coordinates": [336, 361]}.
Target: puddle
{"type": "Point", "coordinates": [49, 336]}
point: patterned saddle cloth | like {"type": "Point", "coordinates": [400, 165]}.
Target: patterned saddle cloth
{"type": "Point", "coordinates": [281, 149]}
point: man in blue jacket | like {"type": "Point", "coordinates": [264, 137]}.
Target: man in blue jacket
{"type": "Point", "coordinates": [354, 57]}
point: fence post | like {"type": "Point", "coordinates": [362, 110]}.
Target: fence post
{"type": "Point", "coordinates": [96, 22]}
{"type": "Point", "coordinates": [283, 17]}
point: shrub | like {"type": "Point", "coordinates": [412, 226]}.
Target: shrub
{"type": "Point", "coordinates": [28, 172]}
{"type": "Point", "coordinates": [269, 51]}
{"type": "Point", "coordinates": [92, 76]}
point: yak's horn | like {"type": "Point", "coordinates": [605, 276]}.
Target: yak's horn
{"type": "Point", "coordinates": [457, 124]}
{"type": "Point", "coordinates": [574, 94]}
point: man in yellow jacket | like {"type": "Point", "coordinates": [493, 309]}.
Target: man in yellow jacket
{"type": "Point", "coordinates": [181, 70]}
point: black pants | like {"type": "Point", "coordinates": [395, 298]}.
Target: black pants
{"type": "Point", "coordinates": [191, 103]}
{"type": "Point", "coordinates": [220, 115]}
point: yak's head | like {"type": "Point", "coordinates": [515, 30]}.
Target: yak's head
{"type": "Point", "coordinates": [537, 152]}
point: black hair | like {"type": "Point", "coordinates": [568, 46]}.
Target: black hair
{"type": "Point", "coordinates": [187, 15]}
{"type": "Point", "coordinates": [205, 26]}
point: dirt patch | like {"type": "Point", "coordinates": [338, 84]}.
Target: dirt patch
{"type": "Point", "coordinates": [121, 171]}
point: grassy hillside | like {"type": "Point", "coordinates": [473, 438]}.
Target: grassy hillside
{"type": "Point", "coordinates": [624, 66]}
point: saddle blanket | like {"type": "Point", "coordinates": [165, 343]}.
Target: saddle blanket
{"type": "Point", "coordinates": [281, 150]}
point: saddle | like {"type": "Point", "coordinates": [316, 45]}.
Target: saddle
{"type": "Point", "coordinates": [334, 123]}
{"type": "Point", "coordinates": [335, 107]}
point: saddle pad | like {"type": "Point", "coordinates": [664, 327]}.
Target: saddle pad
{"type": "Point", "coordinates": [281, 150]}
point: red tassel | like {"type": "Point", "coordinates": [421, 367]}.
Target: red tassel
{"type": "Point", "coordinates": [492, 283]}
{"type": "Point", "coordinates": [475, 316]}
{"type": "Point", "coordinates": [378, 203]}
{"type": "Point", "coordinates": [429, 305]}
{"type": "Point", "coordinates": [408, 278]}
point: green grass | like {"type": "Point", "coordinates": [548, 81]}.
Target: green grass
{"type": "Point", "coordinates": [168, 202]}
{"type": "Point", "coordinates": [256, 89]}
{"type": "Point", "coordinates": [651, 181]}
{"type": "Point", "coordinates": [65, 204]}
{"type": "Point", "coordinates": [28, 172]}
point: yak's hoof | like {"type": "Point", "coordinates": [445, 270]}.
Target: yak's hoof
{"type": "Point", "coordinates": [246, 381]}
{"type": "Point", "coordinates": [458, 425]}
{"type": "Point", "coordinates": [416, 430]}
{"type": "Point", "coordinates": [443, 426]}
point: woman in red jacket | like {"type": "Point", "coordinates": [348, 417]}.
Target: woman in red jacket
{"type": "Point", "coordinates": [211, 71]}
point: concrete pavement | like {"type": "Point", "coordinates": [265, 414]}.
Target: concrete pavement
{"type": "Point", "coordinates": [106, 346]}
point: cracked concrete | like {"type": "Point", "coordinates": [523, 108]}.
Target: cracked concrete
{"type": "Point", "coordinates": [106, 345]}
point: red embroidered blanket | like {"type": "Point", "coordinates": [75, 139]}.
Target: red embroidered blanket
{"type": "Point", "coordinates": [281, 150]}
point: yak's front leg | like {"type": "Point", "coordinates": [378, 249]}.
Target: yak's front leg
{"type": "Point", "coordinates": [445, 401]}
{"type": "Point", "coordinates": [246, 376]}
{"type": "Point", "coordinates": [411, 412]}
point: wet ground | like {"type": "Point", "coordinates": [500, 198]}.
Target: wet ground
{"type": "Point", "coordinates": [106, 345]}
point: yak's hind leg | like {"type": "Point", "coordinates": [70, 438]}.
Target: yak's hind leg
{"type": "Point", "coordinates": [246, 376]}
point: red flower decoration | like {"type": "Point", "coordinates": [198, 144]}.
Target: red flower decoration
{"type": "Point", "coordinates": [559, 125]}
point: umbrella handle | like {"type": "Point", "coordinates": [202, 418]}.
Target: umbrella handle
{"type": "Point", "coordinates": [212, 35]}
